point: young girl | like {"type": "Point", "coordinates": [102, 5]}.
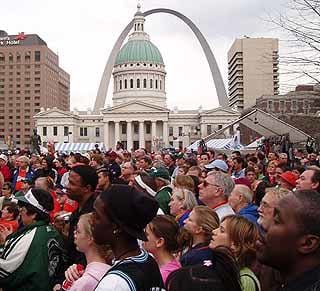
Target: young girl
{"type": "Point", "coordinates": [162, 233]}
{"type": "Point", "coordinates": [240, 235]}
{"type": "Point", "coordinates": [95, 256]}
{"type": "Point", "coordinates": [200, 224]}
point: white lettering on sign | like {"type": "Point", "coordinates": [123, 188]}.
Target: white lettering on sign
{"type": "Point", "coordinates": [9, 42]}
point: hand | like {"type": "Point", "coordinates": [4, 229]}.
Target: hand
{"type": "Point", "coordinates": [57, 287]}
{"type": "Point", "coordinates": [72, 274]}
{"type": "Point", "coordinates": [5, 231]}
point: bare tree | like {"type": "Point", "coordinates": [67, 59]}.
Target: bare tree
{"type": "Point", "coordinates": [301, 23]}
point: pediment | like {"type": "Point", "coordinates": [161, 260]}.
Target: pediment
{"type": "Point", "coordinates": [220, 111]}
{"type": "Point", "coordinates": [54, 113]}
{"type": "Point", "coordinates": [135, 106]}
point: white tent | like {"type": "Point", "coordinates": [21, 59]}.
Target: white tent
{"type": "Point", "coordinates": [77, 147]}
{"type": "Point", "coordinates": [265, 124]}
{"type": "Point", "coordinates": [221, 143]}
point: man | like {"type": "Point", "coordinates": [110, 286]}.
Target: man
{"type": "Point", "coordinates": [163, 196]}
{"type": "Point", "coordinates": [267, 205]}
{"type": "Point", "coordinates": [241, 202]}
{"type": "Point", "coordinates": [103, 179]}
{"type": "Point", "coordinates": [272, 157]}
{"type": "Point", "coordinates": [4, 169]}
{"type": "Point", "coordinates": [145, 163]}
{"type": "Point", "coordinates": [81, 187]}
{"type": "Point", "coordinates": [283, 159]}
{"type": "Point", "coordinates": [288, 180]}
{"type": "Point", "coordinates": [214, 192]}
{"type": "Point", "coordinates": [309, 179]}
{"type": "Point", "coordinates": [23, 171]}
{"type": "Point", "coordinates": [204, 160]}
{"type": "Point", "coordinates": [127, 171]}
{"type": "Point", "coordinates": [292, 242]}
{"type": "Point", "coordinates": [313, 160]}
{"type": "Point", "coordinates": [180, 160]}
{"type": "Point", "coordinates": [238, 170]}
{"type": "Point", "coordinates": [169, 163]}
{"type": "Point", "coordinates": [119, 219]}
{"type": "Point", "coordinates": [217, 165]}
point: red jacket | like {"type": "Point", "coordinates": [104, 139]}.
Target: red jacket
{"type": "Point", "coordinates": [6, 173]}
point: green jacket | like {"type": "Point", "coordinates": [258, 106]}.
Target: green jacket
{"type": "Point", "coordinates": [32, 259]}
{"type": "Point", "coordinates": [163, 197]}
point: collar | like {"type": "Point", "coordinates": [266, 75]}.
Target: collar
{"type": "Point", "coordinates": [219, 205]}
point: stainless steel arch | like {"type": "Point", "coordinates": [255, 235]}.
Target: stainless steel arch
{"type": "Point", "coordinates": [215, 72]}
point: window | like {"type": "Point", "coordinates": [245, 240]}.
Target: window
{"type": "Point", "coordinates": [138, 83]}
{"type": "Point", "coordinates": [18, 58]}
{"type": "Point", "coordinates": [10, 58]}
{"type": "Point", "coordinates": [219, 126]}
{"type": "Point", "coordinates": [125, 84]}
{"type": "Point", "coordinates": [148, 128]}
{"type": "Point", "coordinates": [123, 128]}
{"type": "Point", "coordinates": [136, 128]}
{"type": "Point", "coordinates": [120, 84]}
{"type": "Point", "coordinates": [65, 130]}
{"type": "Point", "coordinates": [209, 129]}
{"type": "Point", "coordinates": [156, 84]}
{"type": "Point", "coordinates": [151, 83]}
{"type": "Point", "coordinates": [44, 130]}
{"type": "Point", "coordinates": [160, 83]}
{"type": "Point", "coordinates": [55, 130]}
{"type": "Point", "coordinates": [83, 131]}
{"type": "Point", "coordinates": [131, 83]}
{"type": "Point", "coordinates": [170, 131]}
{"type": "Point", "coordinates": [180, 130]}
{"type": "Point", "coordinates": [97, 131]}
{"type": "Point", "coordinates": [144, 83]}
{"type": "Point", "coordinates": [37, 56]}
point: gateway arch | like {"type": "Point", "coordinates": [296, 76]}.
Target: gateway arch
{"type": "Point", "coordinates": [215, 72]}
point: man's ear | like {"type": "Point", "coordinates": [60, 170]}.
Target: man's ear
{"type": "Point", "coordinates": [308, 244]}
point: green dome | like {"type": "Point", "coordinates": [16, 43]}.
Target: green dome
{"type": "Point", "coordinates": [135, 51]}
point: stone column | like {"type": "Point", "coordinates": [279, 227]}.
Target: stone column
{"type": "Point", "coordinates": [153, 134]}
{"type": "Point", "coordinates": [141, 135]}
{"type": "Point", "coordinates": [129, 135]}
{"type": "Point", "coordinates": [203, 130]}
{"type": "Point", "coordinates": [106, 135]}
{"type": "Point", "coordinates": [165, 135]}
{"type": "Point", "coordinates": [116, 133]}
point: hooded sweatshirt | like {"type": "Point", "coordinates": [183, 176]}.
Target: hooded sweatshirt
{"type": "Point", "coordinates": [250, 212]}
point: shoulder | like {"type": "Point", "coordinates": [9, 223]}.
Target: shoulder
{"type": "Point", "coordinates": [114, 281]}
{"type": "Point", "coordinates": [249, 281]}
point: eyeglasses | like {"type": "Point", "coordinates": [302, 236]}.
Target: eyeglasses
{"type": "Point", "coordinates": [206, 184]}
{"type": "Point", "coordinates": [5, 189]}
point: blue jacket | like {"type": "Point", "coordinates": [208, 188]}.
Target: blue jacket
{"type": "Point", "coordinates": [250, 212]}
{"type": "Point", "coordinates": [29, 176]}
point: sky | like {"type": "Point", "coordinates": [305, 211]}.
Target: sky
{"type": "Point", "coordinates": [83, 33]}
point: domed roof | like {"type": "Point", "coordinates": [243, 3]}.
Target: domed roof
{"type": "Point", "coordinates": [139, 50]}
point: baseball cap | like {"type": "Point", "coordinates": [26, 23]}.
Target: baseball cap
{"type": "Point", "coordinates": [4, 157]}
{"type": "Point", "coordinates": [220, 164]}
{"type": "Point", "coordinates": [289, 177]}
{"type": "Point", "coordinates": [160, 172]}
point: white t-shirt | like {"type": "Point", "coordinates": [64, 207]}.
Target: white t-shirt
{"type": "Point", "coordinates": [223, 210]}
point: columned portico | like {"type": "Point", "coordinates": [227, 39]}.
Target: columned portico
{"type": "Point", "coordinates": [106, 135]}
{"type": "Point", "coordinates": [141, 134]}
{"type": "Point", "coordinates": [165, 133]}
{"type": "Point", "coordinates": [116, 132]}
{"type": "Point", "coordinates": [129, 136]}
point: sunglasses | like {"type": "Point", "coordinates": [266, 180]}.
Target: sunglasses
{"type": "Point", "coordinates": [206, 184]}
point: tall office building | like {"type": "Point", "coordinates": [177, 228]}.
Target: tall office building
{"type": "Point", "coordinates": [252, 71]}
{"type": "Point", "coordinates": [30, 78]}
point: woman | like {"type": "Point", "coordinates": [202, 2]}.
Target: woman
{"type": "Point", "coordinates": [181, 204]}
{"type": "Point", "coordinates": [61, 168]}
{"type": "Point", "coordinates": [200, 224]}
{"type": "Point", "coordinates": [162, 234]}
{"type": "Point", "coordinates": [46, 170]}
{"type": "Point", "coordinates": [95, 256]}
{"type": "Point", "coordinates": [271, 176]}
{"type": "Point", "coordinates": [33, 257]}
{"type": "Point", "coordinates": [240, 235]}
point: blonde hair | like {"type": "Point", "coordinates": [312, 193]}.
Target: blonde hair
{"type": "Point", "coordinates": [104, 250]}
{"type": "Point", "coordinates": [183, 181]}
{"type": "Point", "coordinates": [207, 219]}
{"type": "Point", "coordinates": [187, 197]}
{"type": "Point", "coordinates": [244, 234]}
{"type": "Point", "coordinates": [278, 192]}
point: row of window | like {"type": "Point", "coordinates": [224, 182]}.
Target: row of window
{"type": "Point", "coordinates": [27, 57]}
{"type": "Point", "coordinates": [83, 131]}
{"type": "Point", "coordinates": [157, 84]}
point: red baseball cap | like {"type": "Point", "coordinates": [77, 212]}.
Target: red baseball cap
{"type": "Point", "coordinates": [289, 177]}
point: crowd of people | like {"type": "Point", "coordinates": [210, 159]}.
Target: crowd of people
{"type": "Point", "coordinates": [166, 220]}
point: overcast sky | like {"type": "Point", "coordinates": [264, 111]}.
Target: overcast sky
{"type": "Point", "coordinates": [84, 32]}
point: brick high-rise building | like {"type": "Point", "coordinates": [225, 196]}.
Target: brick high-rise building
{"type": "Point", "coordinates": [252, 70]}
{"type": "Point", "coordinates": [30, 78]}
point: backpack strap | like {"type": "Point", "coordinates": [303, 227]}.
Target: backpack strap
{"type": "Point", "coordinates": [253, 279]}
